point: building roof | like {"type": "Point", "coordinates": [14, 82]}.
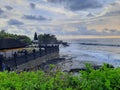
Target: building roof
{"type": "Point", "coordinates": [9, 43]}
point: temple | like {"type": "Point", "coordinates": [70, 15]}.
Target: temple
{"type": "Point", "coordinates": [18, 55]}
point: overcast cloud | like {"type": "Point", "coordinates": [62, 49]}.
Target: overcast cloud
{"type": "Point", "coordinates": [61, 17]}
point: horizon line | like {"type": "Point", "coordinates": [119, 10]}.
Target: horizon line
{"type": "Point", "coordinates": [85, 37]}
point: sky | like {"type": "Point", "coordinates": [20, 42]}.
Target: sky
{"type": "Point", "coordinates": [64, 18]}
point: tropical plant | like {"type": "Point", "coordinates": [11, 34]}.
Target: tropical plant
{"type": "Point", "coordinates": [22, 38]}
{"type": "Point", "coordinates": [47, 39]}
{"type": "Point", "coordinates": [102, 79]}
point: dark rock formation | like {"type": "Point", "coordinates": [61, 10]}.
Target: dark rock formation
{"type": "Point", "coordinates": [95, 67]}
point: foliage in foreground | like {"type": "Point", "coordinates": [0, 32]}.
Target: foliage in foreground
{"type": "Point", "coordinates": [102, 79]}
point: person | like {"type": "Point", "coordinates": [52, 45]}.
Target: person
{"type": "Point", "coordinates": [1, 61]}
{"type": "Point", "coordinates": [40, 51]}
{"type": "Point", "coordinates": [26, 55]}
{"type": "Point", "coordinates": [8, 68]}
{"type": "Point", "coordinates": [3, 66]}
{"type": "Point", "coordinates": [15, 58]}
{"type": "Point", "coordinates": [33, 50]}
{"type": "Point", "coordinates": [34, 53]}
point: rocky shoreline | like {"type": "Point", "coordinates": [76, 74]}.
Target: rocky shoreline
{"type": "Point", "coordinates": [66, 65]}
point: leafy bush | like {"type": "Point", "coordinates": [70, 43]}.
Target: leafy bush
{"type": "Point", "coordinates": [101, 79]}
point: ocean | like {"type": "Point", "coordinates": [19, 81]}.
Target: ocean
{"type": "Point", "coordinates": [95, 51]}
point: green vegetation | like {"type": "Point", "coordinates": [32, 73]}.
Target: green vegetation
{"type": "Point", "coordinates": [102, 79]}
{"type": "Point", "coordinates": [22, 38]}
{"type": "Point", "coordinates": [47, 39]}
{"type": "Point", "coordinates": [42, 38]}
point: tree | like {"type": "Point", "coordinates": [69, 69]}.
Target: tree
{"type": "Point", "coordinates": [35, 36]}
{"type": "Point", "coordinates": [2, 34]}
{"type": "Point", "coordinates": [22, 38]}
{"type": "Point", "coordinates": [47, 39]}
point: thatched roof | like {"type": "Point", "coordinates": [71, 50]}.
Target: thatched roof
{"type": "Point", "coordinates": [9, 43]}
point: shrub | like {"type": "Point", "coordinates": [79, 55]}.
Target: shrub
{"type": "Point", "coordinates": [101, 79]}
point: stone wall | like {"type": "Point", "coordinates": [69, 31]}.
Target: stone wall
{"type": "Point", "coordinates": [27, 60]}
{"type": "Point", "coordinates": [38, 61]}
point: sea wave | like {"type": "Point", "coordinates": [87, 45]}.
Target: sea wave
{"type": "Point", "coordinates": [98, 44]}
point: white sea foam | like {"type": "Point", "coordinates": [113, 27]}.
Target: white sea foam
{"type": "Point", "coordinates": [94, 53]}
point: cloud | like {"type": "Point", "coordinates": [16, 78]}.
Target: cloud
{"type": "Point", "coordinates": [112, 9]}
{"type": "Point", "coordinates": [32, 5]}
{"type": "Point", "coordinates": [84, 4]}
{"type": "Point", "coordinates": [107, 31]}
{"type": "Point", "coordinates": [15, 22]}
{"type": "Point", "coordinates": [107, 18]}
{"type": "Point", "coordinates": [68, 30]}
{"type": "Point", "coordinates": [82, 29]}
{"type": "Point", "coordinates": [90, 15]}
{"type": "Point", "coordinates": [78, 4]}
{"type": "Point", "coordinates": [86, 31]}
{"type": "Point", "coordinates": [8, 7]}
{"type": "Point", "coordinates": [30, 17]}
{"type": "Point", "coordinates": [1, 11]}
{"type": "Point", "coordinates": [60, 17]}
